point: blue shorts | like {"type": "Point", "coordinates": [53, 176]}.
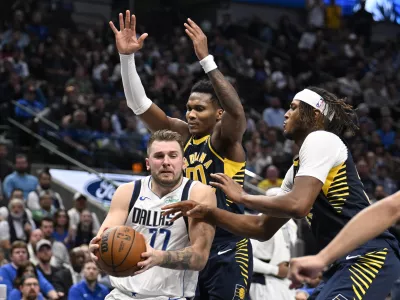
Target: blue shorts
{"type": "Point", "coordinates": [368, 275]}
{"type": "Point", "coordinates": [227, 274]}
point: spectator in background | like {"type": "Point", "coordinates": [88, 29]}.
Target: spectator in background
{"type": "Point", "coordinates": [60, 252]}
{"type": "Point", "coordinates": [19, 258]}
{"type": "Point", "coordinates": [20, 178]}
{"type": "Point", "coordinates": [62, 231]}
{"type": "Point", "coordinates": [44, 256]}
{"type": "Point", "coordinates": [271, 179]}
{"type": "Point", "coordinates": [29, 288]}
{"type": "Point", "coordinates": [316, 13]}
{"type": "Point", "coordinates": [31, 102]}
{"type": "Point", "coordinates": [274, 115]}
{"type": "Point", "coordinates": [18, 225]}
{"type": "Point", "coordinates": [28, 269]}
{"type": "Point", "coordinates": [81, 81]}
{"type": "Point", "coordinates": [36, 236]}
{"type": "Point", "coordinates": [70, 274]}
{"type": "Point", "coordinates": [333, 16]}
{"type": "Point", "coordinates": [78, 134]}
{"type": "Point", "coordinates": [84, 232]}
{"type": "Point", "coordinates": [89, 287]}
{"type": "Point", "coordinates": [366, 178]}
{"type": "Point", "coordinates": [17, 194]}
{"type": "Point", "coordinates": [46, 208]}
{"type": "Point", "coordinates": [80, 204]}
{"type": "Point", "coordinates": [44, 185]}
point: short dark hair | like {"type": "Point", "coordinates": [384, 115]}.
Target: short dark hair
{"type": "Point", "coordinates": [21, 282]}
{"type": "Point", "coordinates": [205, 86]}
{"type": "Point", "coordinates": [46, 219]}
{"type": "Point", "coordinates": [165, 135]}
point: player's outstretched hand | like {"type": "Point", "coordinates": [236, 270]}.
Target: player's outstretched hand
{"type": "Point", "coordinates": [125, 38]}
{"type": "Point", "coordinates": [187, 208]}
{"type": "Point", "coordinates": [152, 258]}
{"type": "Point", "coordinates": [231, 188]}
{"type": "Point", "coordinates": [94, 247]}
{"type": "Point", "coordinates": [304, 269]}
{"type": "Point", "coordinates": [198, 38]}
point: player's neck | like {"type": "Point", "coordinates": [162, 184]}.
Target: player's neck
{"type": "Point", "coordinates": [299, 140]}
{"type": "Point", "coordinates": [160, 190]}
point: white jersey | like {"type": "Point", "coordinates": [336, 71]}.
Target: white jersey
{"type": "Point", "coordinates": [145, 217]}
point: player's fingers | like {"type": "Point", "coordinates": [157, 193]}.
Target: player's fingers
{"type": "Point", "coordinates": [127, 19]}
{"type": "Point", "coordinates": [216, 184]}
{"type": "Point", "coordinates": [177, 217]}
{"type": "Point", "coordinates": [189, 28]}
{"type": "Point", "coordinates": [121, 22]}
{"type": "Point", "coordinates": [133, 24]}
{"type": "Point", "coordinates": [171, 212]}
{"type": "Point", "coordinates": [194, 25]}
{"type": "Point", "coordinates": [94, 257]}
{"type": "Point", "coordinates": [142, 38]}
{"type": "Point", "coordinates": [113, 28]}
{"type": "Point", "coordinates": [198, 210]}
{"type": "Point", "coordinates": [218, 176]}
{"type": "Point", "coordinates": [141, 270]}
{"type": "Point", "coordinates": [178, 205]}
{"type": "Point", "coordinates": [191, 35]}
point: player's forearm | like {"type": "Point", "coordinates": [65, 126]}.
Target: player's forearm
{"type": "Point", "coordinates": [184, 259]}
{"type": "Point", "coordinates": [240, 225]}
{"type": "Point", "coordinates": [366, 225]}
{"type": "Point", "coordinates": [226, 93]}
{"type": "Point", "coordinates": [282, 206]}
{"type": "Point", "coordinates": [133, 88]}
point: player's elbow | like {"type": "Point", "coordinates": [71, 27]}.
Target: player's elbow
{"type": "Point", "coordinates": [299, 212]}
{"type": "Point", "coordinates": [201, 262]}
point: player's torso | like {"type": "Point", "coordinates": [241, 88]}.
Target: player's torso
{"type": "Point", "coordinates": [145, 217]}
{"type": "Point", "coordinates": [202, 161]}
{"type": "Point", "coordinates": [341, 198]}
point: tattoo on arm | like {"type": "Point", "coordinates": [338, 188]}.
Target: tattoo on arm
{"type": "Point", "coordinates": [184, 259]}
{"type": "Point", "coordinates": [226, 93]}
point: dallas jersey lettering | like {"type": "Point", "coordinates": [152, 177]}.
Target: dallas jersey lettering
{"type": "Point", "coordinates": [145, 217]}
{"type": "Point", "coordinates": [324, 156]}
{"type": "Point", "coordinates": [202, 161]}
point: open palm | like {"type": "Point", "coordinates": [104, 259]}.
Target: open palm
{"type": "Point", "coordinates": [125, 37]}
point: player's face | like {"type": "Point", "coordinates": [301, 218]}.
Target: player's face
{"type": "Point", "coordinates": [293, 125]}
{"type": "Point", "coordinates": [202, 114]}
{"type": "Point", "coordinates": [165, 162]}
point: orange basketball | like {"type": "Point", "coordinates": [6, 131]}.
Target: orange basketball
{"type": "Point", "coordinates": [120, 251]}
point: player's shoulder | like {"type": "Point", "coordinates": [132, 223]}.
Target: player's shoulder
{"type": "Point", "coordinates": [322, 138]}
{"type": "Point", "coordinates": [203, 193]}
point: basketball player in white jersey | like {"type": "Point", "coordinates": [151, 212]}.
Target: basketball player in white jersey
{"type": "Point", "coordinates": [176, 251]}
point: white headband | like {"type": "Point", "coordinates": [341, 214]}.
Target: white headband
{"type": "Point", "coordinates": [312, 98]}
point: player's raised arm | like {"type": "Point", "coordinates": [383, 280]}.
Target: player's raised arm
{"type": "Point", "coordinates": [116, 215]}
{"type": "Point", "coordinates": [233, 122]}
{"type": "Point", "coordinates": [368, 224]}
{"type": "Point", "coordinates": [128, 44]}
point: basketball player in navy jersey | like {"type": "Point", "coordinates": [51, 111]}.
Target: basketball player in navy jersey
{"type": "Point", "coordinates": [322, 185]}
{"type": "Point", "coordinates": [175, 251]}
{"type": "Point", "coordinates": [213, 134]}
{"type": "Point", "coordinates": [365, 226]}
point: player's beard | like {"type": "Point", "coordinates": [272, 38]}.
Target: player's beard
{"type": "Point", "coordinates": [167, 182]}
{"type": "Point", "coordinates": [297, 131]}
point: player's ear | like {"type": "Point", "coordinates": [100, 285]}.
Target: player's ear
{"type": "Point", "coordinates": [319, 119]}
{"type": "Point", "coordinates": [147, 164]}
{"type": "Point", "coordinates": [220, 111]}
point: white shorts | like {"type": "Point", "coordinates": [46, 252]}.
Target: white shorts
{"type": "Point", "coordinates": [119, 295]}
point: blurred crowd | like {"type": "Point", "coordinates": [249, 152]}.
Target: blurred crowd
{"type": "Point", "coordinates": [72, 78]}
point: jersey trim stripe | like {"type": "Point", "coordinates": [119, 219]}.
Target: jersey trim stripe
{"type": "Point", "coordinates": [135, 194]}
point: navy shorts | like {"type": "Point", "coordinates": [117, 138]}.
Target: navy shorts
{"type": "Point", "coordinates": [366, 275]}
{"type": "Point", "coordinates": [227, 275]}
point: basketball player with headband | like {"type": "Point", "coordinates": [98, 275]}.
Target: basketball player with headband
{"type": "Point", "coordinates": [323, 186]}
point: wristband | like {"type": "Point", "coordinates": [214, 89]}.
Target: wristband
{"type": "Point", "coordinates": [208, 64]}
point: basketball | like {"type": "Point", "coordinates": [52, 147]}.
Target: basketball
{"type": "Point", "coordinates": [120, 250]}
